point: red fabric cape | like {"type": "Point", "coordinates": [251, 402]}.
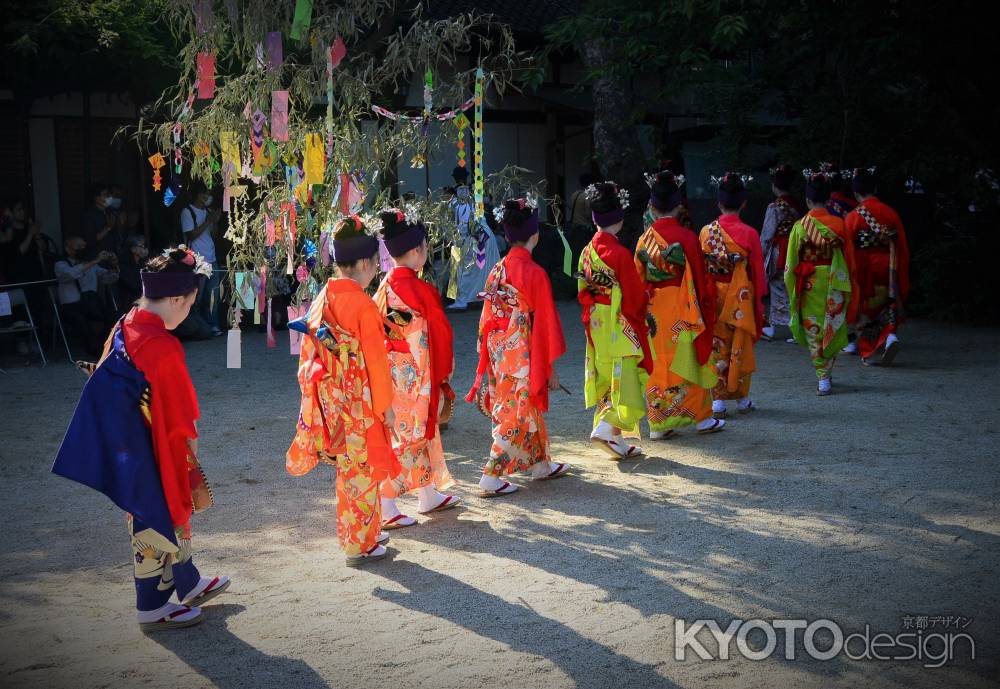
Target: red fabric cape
{"type": "Point", "coordinates": [424, 299]}
{"type": "Point", "coordinates": [672, 231]}
{"type": "Point", "coordinates": [547, 341]}
{"type": "Point", "coordinates": [173, 407]}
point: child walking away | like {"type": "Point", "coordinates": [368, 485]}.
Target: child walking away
{"type": "Point", "coordinates": [818, 278]}
{"type": "Point", "coordinates": [613, 298]}
{"type": "Point", "coordinates": [778, 220]}
{"type": "Point", "coordinates": [347, 394]}
{"type": "Point", "coordinates": [133, 438]}
{"type": "Point", "coordinates": [418, 338]}
{"type": "Point", "coordinates": [733, 257]}
{"type": "Point", "coordinates": [883, 267]}
{"type": "Point", "coordinates": [520, 337]}
{"type": "Point", "coordinates": [681, 315]}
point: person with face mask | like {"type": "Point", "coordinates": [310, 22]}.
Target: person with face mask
{"type": "Point", "coordinates": [98, 229]}
{"type": "Point", "coordinates": [198, 222]}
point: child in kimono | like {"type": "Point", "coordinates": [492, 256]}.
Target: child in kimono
{"type": "Point", "coordinates": [133, 438]}
{"type": "Point", "coordinates": [733, 257]}
{"type": "Point", "coordinates": [520, 337]}
{"type": "Point", "coordinates": [681, 316]}
{"type": "Point", "coordinates": [818, 278]}
{"type": "Point", "coordinates": [883, 271]}
{"type": "Point", "coordinates": [781, 214]}
{"type": "Point", "coordinates": [347, 394]}
{"type": "Point", "coordinates": [418, 338]}
{"type": "Point", "coordinates": [613, 298]}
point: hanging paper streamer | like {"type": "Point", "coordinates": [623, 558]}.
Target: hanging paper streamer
{"type": "Point", "coordinates": [288, 233]}
{"type": "Point", "coordinates": [461, 122]}
{"type": "Point", "coordinates": [157, 161]}
{"type": "Point", "coordinates": [441, 117]}
{"type": "Point", "coordinates": [477, 133]}
{"type": "Point", "coordinates": [234, 358]}
{"type": "Point", "coordinates": [428, 100]}
{"type": "Point", "coordinates": [270, 328]}
{"type": "Point", "coordinates": [324, 248]}
{"type": "Point", "coordinates": [337, 52]}
{"type": "Point", "coordinates": [206, 75]}
{"type": "Point", "coordinates": [233, 8]}
{"type": "Point", "coordinates": [201, 149]}
{"type": "Point", "coordinates": [245, 293]}
{"type": "Point", "coordinates": [261, 293]}
{"type": "Point", "coordinates": [230, 147]}
{"type": "Point", "coordinates": [178, 159]}
{"type": "Point", "coordinates": [567, 254]}
{"type": "Point", "coordinates": [273, 50]}
{"type": "Point", "coordinates": [203, 19]}
{"type": "Point", "coordinates": [314, 162]}
{"type": "Point", "coordinates": [279, 115]}
{"type": "Point", "coordinates": [294, 335]}
{"type": "Point", "coordinates": [302, 19]}
{"type": "Point", "coordinates": [257, 122]}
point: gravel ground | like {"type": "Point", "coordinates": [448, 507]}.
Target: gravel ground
{"type": "Point", "coordinates": [876, 503]}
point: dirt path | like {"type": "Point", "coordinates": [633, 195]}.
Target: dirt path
{"type": "Point", "coordinates": [876, 503]}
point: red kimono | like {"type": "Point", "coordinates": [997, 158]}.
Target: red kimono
{"type": "Point", "coordinates": [882, 257]}
{"type": "Point", "coordinates": [520, 337]}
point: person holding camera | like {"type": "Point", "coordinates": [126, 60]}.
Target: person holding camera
{"type": "Point", "coordinates": [81, 307]}
{"type": "Point", "coordinates": [198, 222]}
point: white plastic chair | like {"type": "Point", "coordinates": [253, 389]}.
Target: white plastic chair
{"type": "Point", "coordinates": [17, 298]}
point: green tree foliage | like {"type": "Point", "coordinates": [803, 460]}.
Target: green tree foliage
{"type": "Point", "coordinates": [52, 46]}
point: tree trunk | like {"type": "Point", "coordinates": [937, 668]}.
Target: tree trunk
{"type": "Point", "coordinates": [616, 140]}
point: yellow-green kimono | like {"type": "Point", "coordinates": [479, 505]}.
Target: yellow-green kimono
{"type": "Point", "coordinates": [614, 317]}
{"type": "Point", "coordinates": [818, 276]}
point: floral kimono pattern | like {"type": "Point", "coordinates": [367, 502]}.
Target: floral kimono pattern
{"type": "Point", "coordinates": [613, 379]}
{"type": "Point", "coordinates": [334, 419]}
{"type": "Point", "coordinates": [735, 328]}
{"type": "Point", "coordinates": [409, 366]}
{"type": "Point", "coordinates": [818, 280]}
{"type": "Point", "coordinates": [679, 389]}
{"type": "Point", "coordinates": [778, 222]}
{"type": "Point", "coordinates": [520, 439]}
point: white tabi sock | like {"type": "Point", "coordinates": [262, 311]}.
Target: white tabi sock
{"type": "Point", "coordinates": [604, 431]}
{"type": "Point", "coordinates": [389, 509]}
{"type": "Point", "coordinates": [744, 403]}
{"type": "Point", "coordinates": [146, 616]}
{"type": "Point", "coordinates": [428, 498]}
{"type": "Point", "coordinates": [490, 483]}
{"type": "Point", "coordinates": [718, 406]}
{"type": "Point", "coordinates": [543, 468]}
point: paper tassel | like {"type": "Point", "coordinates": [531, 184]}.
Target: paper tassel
{"type": "Point", "coordinates": [206, 75]}
{"type": "Point", "coordinates": [314, 162]}
{"type": "Point", "coordinates": [279, 115]}
{"type": "Point", "coordinates": [157, 161]}
{"type": "Point", "coordinates": [273, 51]}
{"type": "Point", "coordinates": [302, 19]}
{"type": "Point", "coordinates": [271, 344]}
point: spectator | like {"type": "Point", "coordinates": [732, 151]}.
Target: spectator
{"type": "Point", "coordinates": [81, 306]}
{"type": "Point", "coordinates": [17, 235]}
{"type": "Point", "coordinates": [130, 262]}
{"type": "Point", "coordinates": [198, 222]}
{"type": "Point", "coordinates": [99, 229]}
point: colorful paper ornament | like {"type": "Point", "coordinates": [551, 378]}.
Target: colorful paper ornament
{"type": "Point", "coordinates": [273, 50]}
{"type": "Point", "coordinates": [302, 19]}
{"type": "Point", "coordinates": [157, 161]}
{"type": "Point", "coordinates": [279, 115]}
{"type": "Point", "coordinates": [203, 18]}
{"type": "Point", "coordinates": [479, 184]}
{"type": "Point", "coordinates": [230, 146]}
{"type": "Point", "coordinates": [461, 122]}
{"type": "Point", "coordinates": [314, 160]}
{"type": "Point", "coordinates": [206, 75]}
{"type": "Point", "coordinates": [336, 54]}
{"type": "Point", "coordinates": [428, 100]}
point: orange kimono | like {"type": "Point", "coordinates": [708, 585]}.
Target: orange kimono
{"type": "Point", "coordinates": [733, 255]}
{"type": "Point", "coordinates": [346, 390]}
{"type": "Point", "coordinates": [419, 345]}
{"type": "Point", "coordinates": [520, 337]}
